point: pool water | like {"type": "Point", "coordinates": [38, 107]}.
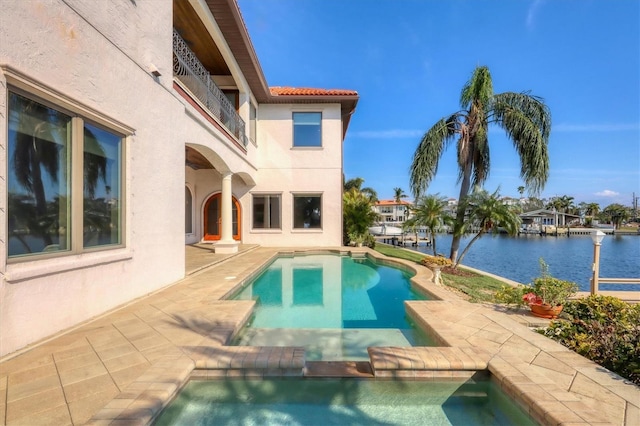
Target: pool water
{"type": "Point", "coordinates": [334, 306]}
{"type": "Point", "coordinates": [341, 402]}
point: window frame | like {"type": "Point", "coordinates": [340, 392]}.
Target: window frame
{"type": "Point", "coordinates": [268, 195]}
{"type": "Point", "coordinates": [294, 195]}
{"type": "Point", "coordinates": [80, 115]}
{"type": "Point", "coordinates": [293, 127]}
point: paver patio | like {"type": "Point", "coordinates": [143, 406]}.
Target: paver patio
{"type": "Point", "coordinates": [124, 366]}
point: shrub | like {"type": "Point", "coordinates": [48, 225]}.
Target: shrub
{"type": "Point", "coordinates": [604, 329]}
{"type": "Point", "coordinates": [436, 260]}
{"type": "Point", "coordinates": [512, 295]}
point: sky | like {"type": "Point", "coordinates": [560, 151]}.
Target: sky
{"type": "Point", "coordinates": [409, 59]}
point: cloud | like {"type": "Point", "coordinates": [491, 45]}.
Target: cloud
{"type": "Point", "coordinates": [597, 127]}
{"type": "Point", "coordinates": [387, 134]}
{"type": "Point", "coordinates": [607, 193]}
{"type": "Point", "coordinates": [531, 13]}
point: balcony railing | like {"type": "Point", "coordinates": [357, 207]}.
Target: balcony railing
{"type": "Point", "coordinates": [190, 72]}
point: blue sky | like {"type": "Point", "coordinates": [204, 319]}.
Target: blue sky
{"type": "Point", "coordinates": [408, 60]}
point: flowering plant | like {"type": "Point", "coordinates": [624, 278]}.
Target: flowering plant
{"type": "Point", "coordinates": [544, 290]}
{"type": "Point", "coordinates": [436, 261]}
{"type": "Point", "coordinates": [532, 299]}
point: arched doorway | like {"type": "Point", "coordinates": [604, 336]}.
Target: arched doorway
{"type": "Point", "coordinates": [213, 218]}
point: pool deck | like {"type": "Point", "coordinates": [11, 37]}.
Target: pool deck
{"type": "Point", "coordinates": [123, 367]}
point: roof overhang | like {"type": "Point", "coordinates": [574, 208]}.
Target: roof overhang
{"type": "Point", "coordinates": [229, 20]}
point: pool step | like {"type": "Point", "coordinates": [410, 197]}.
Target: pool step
{"type": "Point", "coordinates": [338, 369]}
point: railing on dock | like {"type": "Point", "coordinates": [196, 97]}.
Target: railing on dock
{"type": "Point", "coordinates": [595, 283]}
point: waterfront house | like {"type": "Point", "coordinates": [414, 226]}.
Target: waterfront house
{"type": "Point", "coordinates": [392, 211]}
{"type": "Point", "coordinates": [131, 128]}
{"type": "Point", "coordinates": [537, 221]}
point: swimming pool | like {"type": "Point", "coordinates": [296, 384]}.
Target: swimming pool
{"type": "Point", "coordinates": [339, 402]}
{"type": "Point", "coordinates": [335, 306]}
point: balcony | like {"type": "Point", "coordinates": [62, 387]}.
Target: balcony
{"type": "Point", "coordinates": [194, 76]}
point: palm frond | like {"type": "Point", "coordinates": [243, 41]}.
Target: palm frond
{"type": "Point", "coordinates": [478, 90]}
{"type": "Point", "coordinates": [527, 122]}
{"type": "Point", "coordinates": [425, 159]}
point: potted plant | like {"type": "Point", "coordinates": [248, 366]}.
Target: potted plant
{"type": "Point", "coordinates": [436, 263]}
{"type": "Point", "coordinates": [545, 297]}
{"type": "Point", "coordinates": [357, 238]}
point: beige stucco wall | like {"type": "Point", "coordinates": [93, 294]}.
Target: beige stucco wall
{"type": "Point", "coordinates": [77, 53]}
{"type": "Point", "coordinates": [287, 170]}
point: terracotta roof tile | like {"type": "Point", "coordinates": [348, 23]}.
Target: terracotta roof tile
{"type": "Point", "coordinates": [309, 91]}
{"type": "Point", "coordinates": [392, 203]}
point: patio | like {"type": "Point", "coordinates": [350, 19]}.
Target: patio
{"type": "Point", "coordinates": [122, 367]}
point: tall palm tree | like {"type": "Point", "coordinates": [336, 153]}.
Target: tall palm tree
{"type": "Point", "coordinates": [521, 190]}
{"type": "Point", "coordinates": [488, 213]}
{"type": "Point", "coordinates": [430, 211]}
{"type": "Point", "coordinates": [525, 119]}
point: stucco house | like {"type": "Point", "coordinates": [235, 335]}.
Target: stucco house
{"type": "Point", "coordinates": [114, 115]}
{"type": "Point", "coordinates": [393, 211]}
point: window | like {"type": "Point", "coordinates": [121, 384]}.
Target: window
{"type": "Point", "coordinates": [252, 124]}
{"type": "Point", "coordinates": [64, 181]}
{"type": "Point", "coordinates": [188, 211]}
{"type": "Point", "coordinates": [307, 211]}
{"type": "Point", "coordinates": [266, 211]}
{"type": "Point", "coordinates": [307, 129]}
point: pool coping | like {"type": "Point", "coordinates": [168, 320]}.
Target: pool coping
{"type": "Point", "coordinates": [179, 333]}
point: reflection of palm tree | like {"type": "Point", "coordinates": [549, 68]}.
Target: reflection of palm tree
{"type": "Point", "coordinates": [40, 145]}
{"type": "Point", "coordinates": [35, 148]}
{"type": "Point", "coordinates": [95, 163]}
{"type": "Point", "coordinates": [37, 130]}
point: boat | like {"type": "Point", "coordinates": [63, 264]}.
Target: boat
{"type": "Point", "coordinates": [385, 230]}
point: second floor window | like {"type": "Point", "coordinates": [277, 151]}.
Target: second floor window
{"type": "Point", "coordinates": [307, 129]}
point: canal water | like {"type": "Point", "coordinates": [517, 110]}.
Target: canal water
{"type": "Point", "coordinates": [569, 258]}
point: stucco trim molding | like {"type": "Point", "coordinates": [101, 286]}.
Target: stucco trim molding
{"type": "Point", "coordinates": [23, 81]}
{"type": "Point", "coordinates": [28, 270]}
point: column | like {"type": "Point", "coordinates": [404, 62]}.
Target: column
{"type": "Point", "coordinates": [226, 236]}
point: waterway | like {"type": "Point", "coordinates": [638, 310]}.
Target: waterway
{"type": "Point", "coordinates": [569, 258]}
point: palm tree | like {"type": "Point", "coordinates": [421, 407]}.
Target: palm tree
{"type": "Point", "coordinates": [592, 209]}
{"type": "Point", "coordinates": [430, 212]}
{"type": "Point", "coordinates": [399, 194]}
{"type": "Point", "coordinates": [488, 213]}
{"type": "Point", "coordinates": [357, 184]}
{"type": "Point", "coordinates": [616, 214]}
{"type": "Point", "coordinates": [357, 213]}
{"type": "Point", "coordinates": [521, 190]}
{"type": "Point", "coordinates": [525, 119]}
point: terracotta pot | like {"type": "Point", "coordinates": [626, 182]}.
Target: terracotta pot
{"type": "Point", "coordinates": [546, 311]}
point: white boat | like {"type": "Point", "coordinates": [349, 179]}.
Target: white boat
{"type": "Point", "coordinates": [385, 230]}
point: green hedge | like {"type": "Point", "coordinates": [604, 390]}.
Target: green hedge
{"type": "Point", "coordinates": [604, 329]}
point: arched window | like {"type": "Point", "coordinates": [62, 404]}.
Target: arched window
{"type": "Point", "coordinates": [188, 211]}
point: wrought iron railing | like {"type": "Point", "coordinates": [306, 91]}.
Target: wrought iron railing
{"type": "Point", "coordinates": [190, 72]}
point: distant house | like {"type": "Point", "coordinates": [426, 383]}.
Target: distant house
{"type": "Point", "coordinates": [535, 220]}
{"type": "Point", "coordinates": [393, 211]}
